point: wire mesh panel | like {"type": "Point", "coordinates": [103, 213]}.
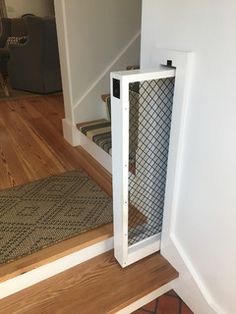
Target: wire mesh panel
{"type": "Point", "coordinates": [141, 110]}
{"type": "Point", "coordinates": [150, 114]}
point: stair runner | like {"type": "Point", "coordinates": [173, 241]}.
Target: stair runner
{"type": "Point", "coordinates": [99, 131]}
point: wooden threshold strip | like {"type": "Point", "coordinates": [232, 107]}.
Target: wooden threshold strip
{"type": "Point", "coordinates": [54, 252]}
{"type": "Point", "coordinates": [98, 286]}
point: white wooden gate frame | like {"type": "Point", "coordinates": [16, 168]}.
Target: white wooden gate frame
{"type": "Point", "coordinates": [180, 62]}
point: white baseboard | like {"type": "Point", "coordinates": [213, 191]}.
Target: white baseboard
{"type": "Point", "coordinates": [70, 132]}
{"type": "Point", "coordinates": [95, 151]}
{"type": "Point", "coordinates": [41, 273]}
{"type": "Point", "coordinates": [73, 136]}
{"type": "Point", "coordinates": [142, 249]}
{"type": "Point", "coordinates": [189, 286]}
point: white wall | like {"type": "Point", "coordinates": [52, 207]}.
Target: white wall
{"type": "Point", "coordinates": [206, 214]}
{"type": "Point", "coordinates": [16, 8]}
{"type": "Point", "coordinates": [95, 37]}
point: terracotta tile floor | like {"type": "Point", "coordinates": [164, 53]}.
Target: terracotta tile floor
{"type": "Point", "coordinates": [169, 303]}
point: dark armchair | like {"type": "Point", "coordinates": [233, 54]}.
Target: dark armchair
{"type": "Point", "coordinates": [34, 66]}
{"type": "Point", "coordinates": [11, 28]}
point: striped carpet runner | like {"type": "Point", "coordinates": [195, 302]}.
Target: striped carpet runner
{"type": "Point", "coordinates": [99, 131]}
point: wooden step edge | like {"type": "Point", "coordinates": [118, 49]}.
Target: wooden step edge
{"type": "Point", "coordinates": [54, 252]}
{"type": "Point", "coordinates": [105, 97]}
{"type": "Point", "coordinates": [98, 285]}
{"type": "Point", "coordinates": [146, 299]}
{"type": "Point", "coordinates": [82, 124]}
{"type": "Point", "coordinates": [132, 67]}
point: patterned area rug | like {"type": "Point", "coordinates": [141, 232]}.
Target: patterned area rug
{"type": "Point", "coordinates": [42, 213]}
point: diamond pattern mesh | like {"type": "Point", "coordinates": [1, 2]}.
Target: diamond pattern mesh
{"type": "Point", "coordinates": [150, 121]}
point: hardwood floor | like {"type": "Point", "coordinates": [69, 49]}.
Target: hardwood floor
{"type": "Point", "coordinates": [31, 142]}
{"type": "Point", "coordinates": [32, 146]}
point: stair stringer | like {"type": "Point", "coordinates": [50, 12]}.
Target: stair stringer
{"type": "Point", "coordinates": [90, 106]}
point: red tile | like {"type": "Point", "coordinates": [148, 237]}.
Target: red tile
{"type": "Point", "coordinates": [150, 306]}
{"type": "Point", "coordinates": [185, 309]}
{"type": "Point", "coordinates": [168, 305]}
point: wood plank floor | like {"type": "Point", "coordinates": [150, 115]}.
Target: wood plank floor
{"type": "Point", "coordinates": [27, 129]}
{"type": "Point", "coordinates": [31, 142]}
{"type": "Point", "coordinates": [98, 286]}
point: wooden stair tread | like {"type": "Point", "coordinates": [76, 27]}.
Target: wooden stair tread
{"type": "Point", "coordinates": [80, 125]}
{"type": "Point", "coordinates": [132, 67]}
{"type": "Point", "coordinates": [105, 97]}
{"type": "Point", "coordinates": [128, 68]}
{"type": "Point", "coordinates": [98, 286]}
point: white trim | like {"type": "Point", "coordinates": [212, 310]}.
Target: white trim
{"type": "Point", "coordinates": [41, 273]}
{"type": "Point", "coordinates": [95, 151]}
{"type": "Point", "coordinates": [108, 69]}
{"type": "Point", "coordinates": [70, 132]}
{"type": "Point", "coordinates": [158, 72]}
{"type": "Point", "coordinates": [143, 248]}
{"type": "Point", "coordinates": [147, 299]}
{"type": "Point", "coordinates": [120, 169]}
{"type": "Point", "coordinates": [73, 136]}
{"type": "Point", "coordinates": [216, 308]}
{"type": "Point", "coordinates": [62, 34]}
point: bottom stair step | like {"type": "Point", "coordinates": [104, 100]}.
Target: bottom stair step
{"type": "Point", "coordinates": [98, 286]}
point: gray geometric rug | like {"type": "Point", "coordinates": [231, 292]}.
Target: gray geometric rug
{"type": "Point", "coordinates": [42, 213]}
